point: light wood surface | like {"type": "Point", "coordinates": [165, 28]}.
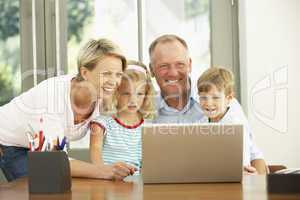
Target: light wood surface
{"type": "Point", "coordinates": [253, 188]}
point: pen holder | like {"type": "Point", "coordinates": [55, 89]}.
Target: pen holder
{"type": "Point", "coordinates": [283, 183]}
{"type": "Point", "coordinates": [48, 172]}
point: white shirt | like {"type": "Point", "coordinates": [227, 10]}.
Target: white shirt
{"type": "Point", "coordinates": [49, 100]}
{"type": "Point", "coordinates": [236, 115]}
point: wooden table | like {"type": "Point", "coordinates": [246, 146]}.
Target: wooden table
{"type": "Point", "coordinates": [253, 188]}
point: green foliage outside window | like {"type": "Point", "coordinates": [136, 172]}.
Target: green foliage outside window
{"type": "Point", "coordinates": [80, 13]}
{"type": "Point", "coordinates": [9, 49]}
{"type": "Point", "coordinates": [195, 8]}
{"type": "Point", "coordinates": [6, 87]}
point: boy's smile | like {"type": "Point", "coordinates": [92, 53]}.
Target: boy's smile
{"type": "Point", "coordinates": [214, 103]}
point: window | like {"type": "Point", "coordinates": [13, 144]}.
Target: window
{"type": "Point", "coordinates": [187, 18]}
{"type": "Point", "coordinates": [112, 19]}
{"type": "Point", "coordinates": [10, 71]}
{"type": "Point", "coordinates": [53, 31]}
{"type": "Point", "coordinates": [117, 20]}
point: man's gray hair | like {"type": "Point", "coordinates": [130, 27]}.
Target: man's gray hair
{"type": "Point", "coordinates": [164, 39]}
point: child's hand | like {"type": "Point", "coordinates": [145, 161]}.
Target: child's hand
{"type": "Point", "coordinates": [249, 170]}
{"type": "Point", "coordinates": [121, 170]}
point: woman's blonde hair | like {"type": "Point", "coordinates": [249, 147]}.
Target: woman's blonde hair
{"type": "Point", "coordinates": [139, 72]}
{"type": "Point", "coordinates": [95, 50]}
{"type": "Point", "coordinates": [219, 77]}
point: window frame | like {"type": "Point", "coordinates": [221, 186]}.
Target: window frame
{"type": "Point", "coordinates": [225, 38]}
{"type": "Point", "coordinates": [44, 51]}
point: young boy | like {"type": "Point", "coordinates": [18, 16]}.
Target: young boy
{"type": "Point", "coordinates": [216, 95]}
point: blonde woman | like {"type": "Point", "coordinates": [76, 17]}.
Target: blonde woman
{"type": "Point", "coordinates": [65, 103]}
{"type": "Point", "coordinates": [115, 142]}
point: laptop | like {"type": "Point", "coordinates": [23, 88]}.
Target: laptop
{"type": "Point", "coordinates": [192, 153]}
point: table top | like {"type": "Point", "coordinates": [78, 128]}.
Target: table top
{"type": "Point", "coordinates": [252, 188]}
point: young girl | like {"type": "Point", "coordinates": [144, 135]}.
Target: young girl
{"type": "Point", "coordinates": [216, 97]}
{"type": "Point", "coordinates": [115, 142]}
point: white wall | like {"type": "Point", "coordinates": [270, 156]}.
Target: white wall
{"type": "Point", "coordinates": [270, 69]}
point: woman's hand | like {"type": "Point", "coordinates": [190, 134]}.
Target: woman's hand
{"type": "Point", "coordinates": [118, 171]}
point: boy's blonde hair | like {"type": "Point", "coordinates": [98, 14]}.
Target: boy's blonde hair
{"type": "Point", "coordinates": [219, 77]}
{"type": "Point", "coordinates": [95, 50]}
{"type": "Point", "coordinates": [134, 75]}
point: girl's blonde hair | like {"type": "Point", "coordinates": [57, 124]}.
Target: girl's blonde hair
{"type": "Point", "coordinates": [135, 74]}
{"type": "Point", "coordinates": [95, 50]}
{"type": "Point", "coordinates": [219, 77]}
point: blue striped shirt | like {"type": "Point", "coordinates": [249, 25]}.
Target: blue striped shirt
{"type": "Point", "coordinates": [121, 143]}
